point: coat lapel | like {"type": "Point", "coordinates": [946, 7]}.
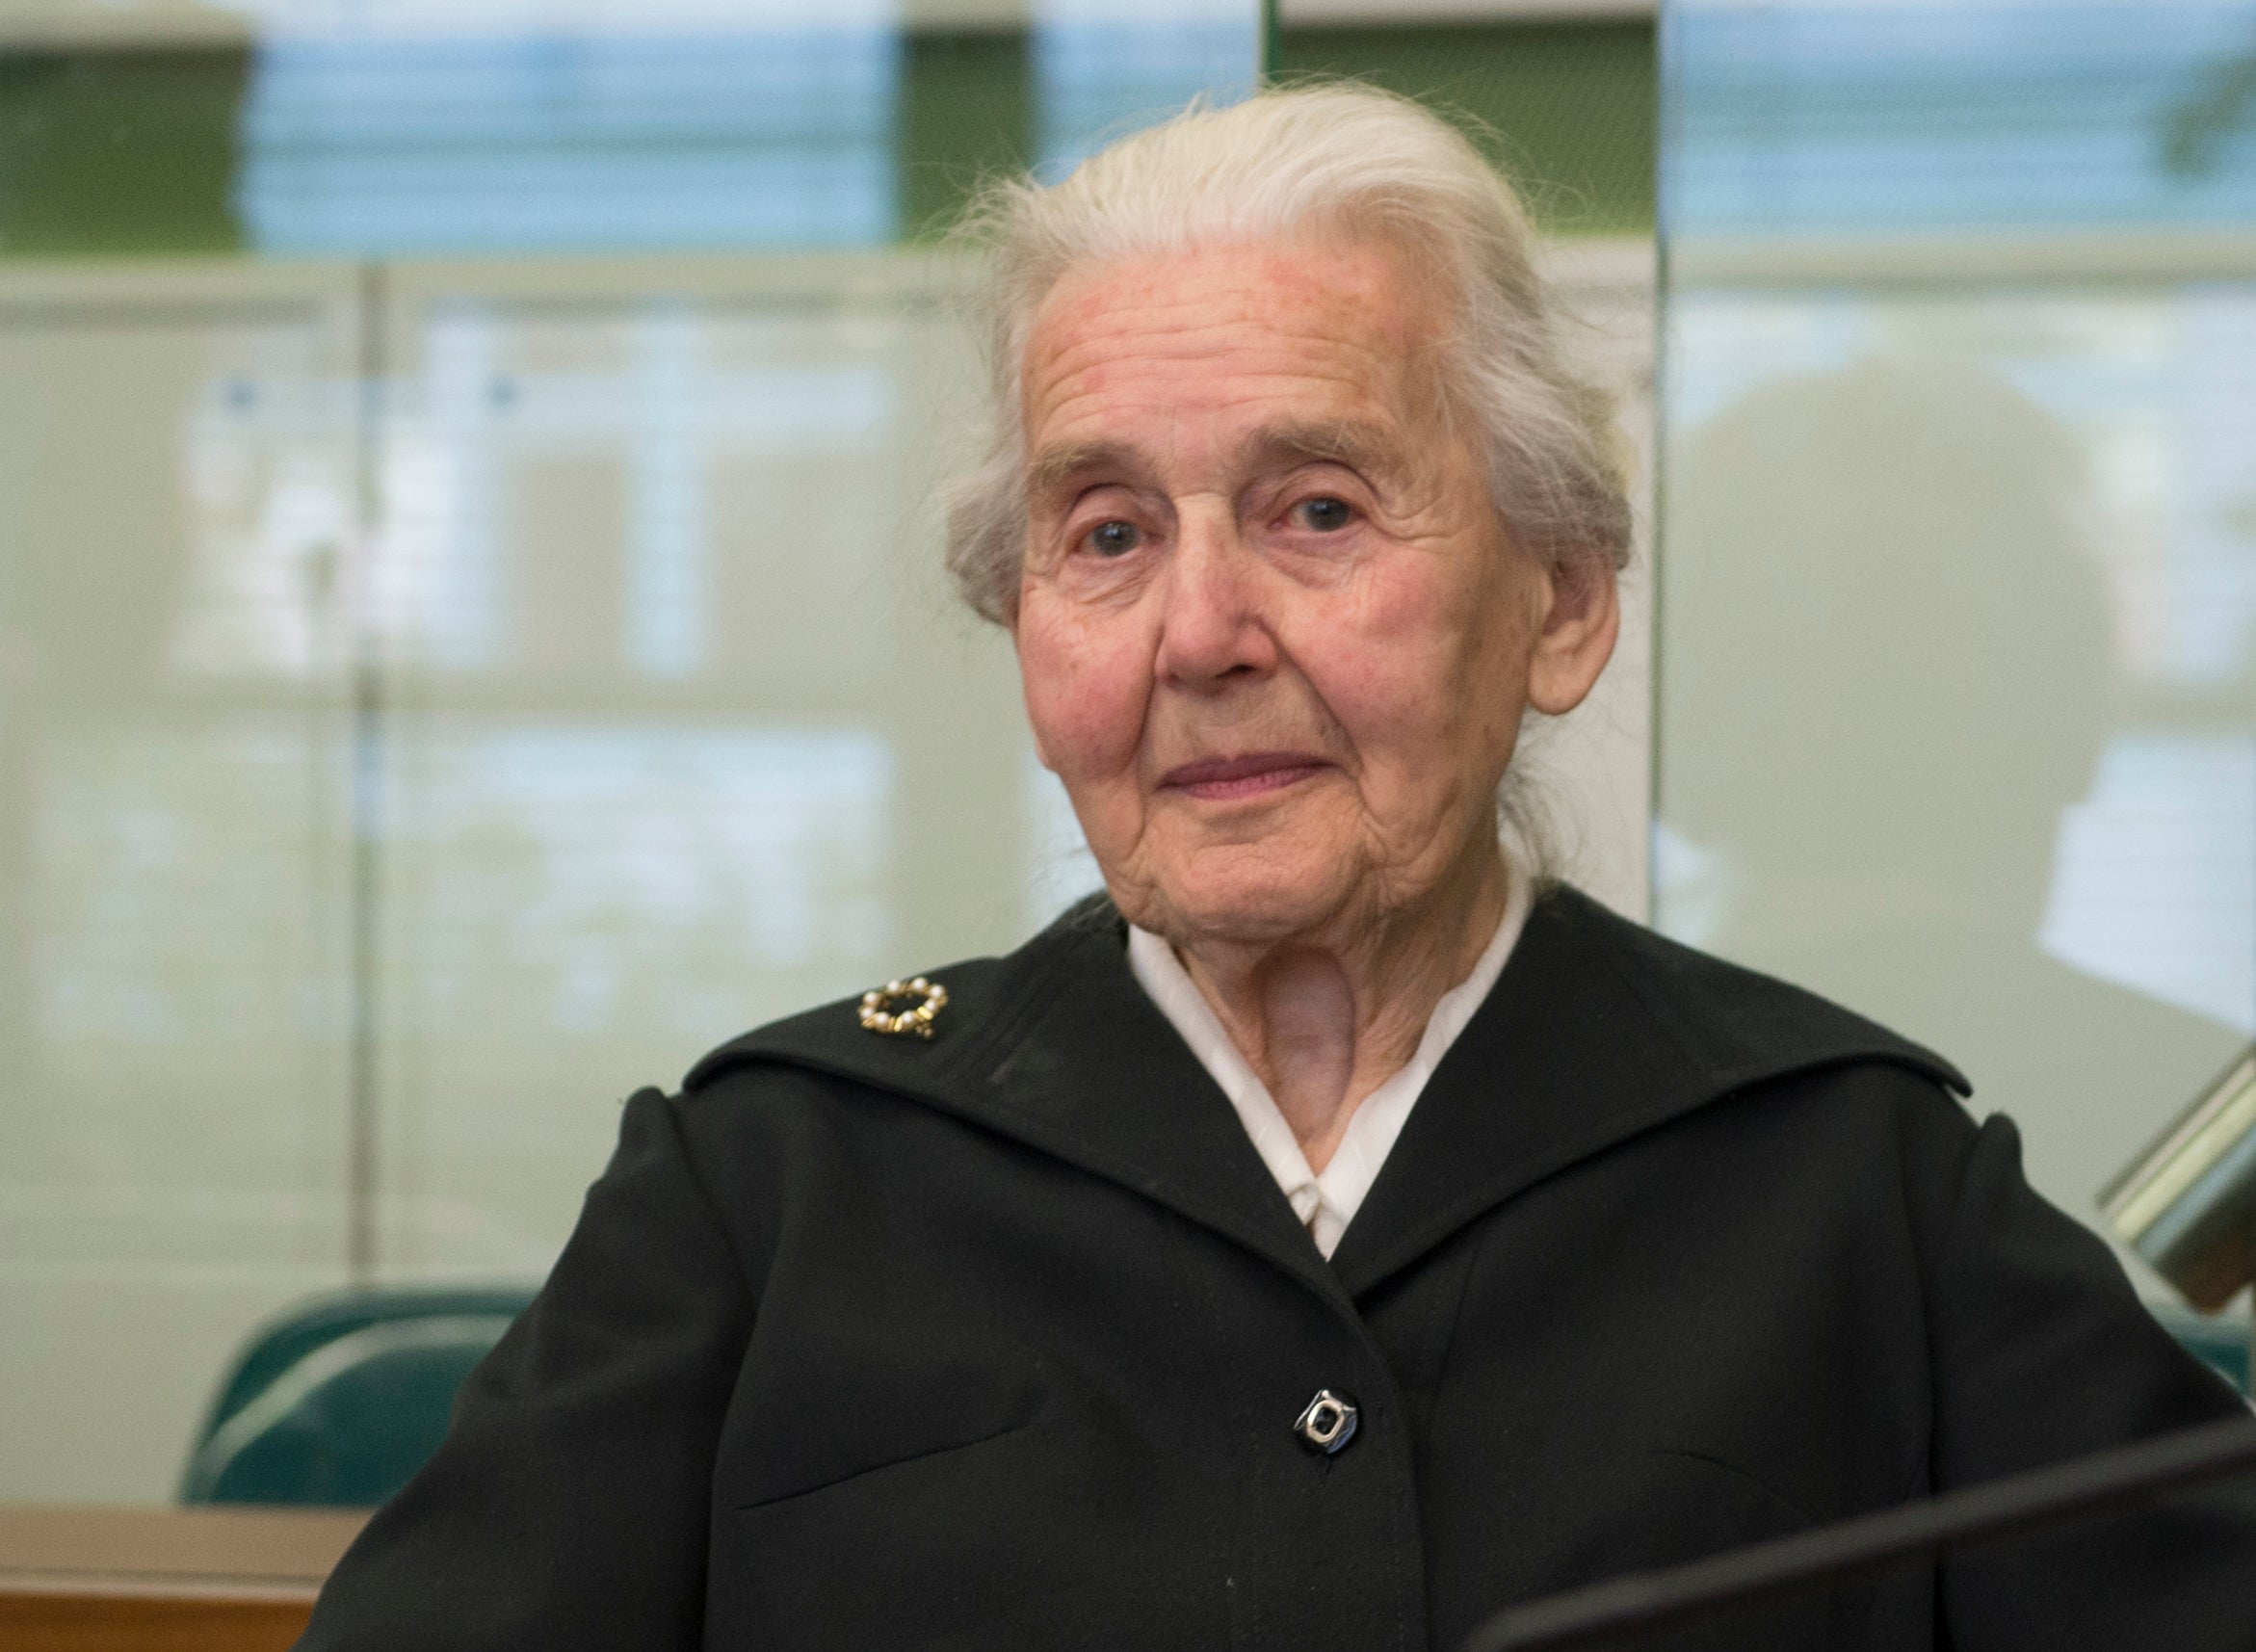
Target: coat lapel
{"type": "Point", "coordinates": [1596, 1032]}
{"type": "Point", "coordinates": [1058, 1047]}
{"type": "Point", "coordinates": [1098, 1065]}
{"type": "Point", "coordinates": [1558, 1063]}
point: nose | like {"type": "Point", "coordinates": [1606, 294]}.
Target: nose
{"type": "Point", "coordinates": [1213, 628]}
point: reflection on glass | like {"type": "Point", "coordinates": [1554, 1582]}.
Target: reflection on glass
{"type": "Point", "coordinates": [437, 698]}
{"type": "Point", "coordinates": [654, 756]}
{"type": "Point", "coordinates": [173, 979]}
{"type": "Point", "coordinates": [654, 883]}
{"type": "Point", "coordinates": [1929, 114]}
{"type": "Point", "coordinates": [1106, 66]}
{"type": "Point", "coordinates": [155, 917]}
{"type": "Point", "coordinates": [414, 126]}
{"type": "Point", "coordinates": [1902, 691]}
{"type": "Point", "coordinates": [578, 909]}
{"type": "Point", "coordinates": [667, 428]}
{"type": "Point", "coordinates": [1959, 572]}
{"type": "Point", "coordinates": [2153, 884]}
{"type": "Point", "coordinates": [270, 493]}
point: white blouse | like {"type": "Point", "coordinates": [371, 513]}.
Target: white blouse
{"type": "Point", "coordinates": [1325, 1204]}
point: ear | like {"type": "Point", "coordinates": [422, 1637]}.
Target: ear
{"type": "Point", "coordinates": [1579, 617]}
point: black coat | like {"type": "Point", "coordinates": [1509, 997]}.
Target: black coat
{"type": "Point", "coordinates": [997, 1341]}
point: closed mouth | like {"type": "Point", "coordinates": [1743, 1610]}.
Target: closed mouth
{"type": "Point", "coordinates": [1216, 779]}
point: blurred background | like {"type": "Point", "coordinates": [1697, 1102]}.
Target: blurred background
{"type": "Point", "coordinates": [471, 635]}
{"type": "Point", "coordinates": [1956, 708]}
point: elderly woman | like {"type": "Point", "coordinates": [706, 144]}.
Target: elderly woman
{"type": "Point", "coordinates": [1330, 1233]}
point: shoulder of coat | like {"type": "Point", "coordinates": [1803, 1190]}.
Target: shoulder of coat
{"type": "Point", "coordinates": [910, 1026]}
{"type": "Point", "coordinates": [1731, 1018]}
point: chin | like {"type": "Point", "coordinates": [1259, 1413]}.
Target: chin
{"type": "Point", "coordinates": [1248, 898]}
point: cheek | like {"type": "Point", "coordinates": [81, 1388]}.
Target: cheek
{"type": "Point", "coordinates": [1388, 666]}
{"type": "Point", "coordinates": [1422, 681]}
{"type": "Point", "coordinates": [1084, 693]}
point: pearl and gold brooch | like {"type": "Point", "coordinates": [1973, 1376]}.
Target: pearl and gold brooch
{"type": "Point", "coordinates": [926, 1000]}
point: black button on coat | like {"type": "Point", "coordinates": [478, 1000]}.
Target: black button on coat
{"type": "Point", "coordinates": [998, 1341]}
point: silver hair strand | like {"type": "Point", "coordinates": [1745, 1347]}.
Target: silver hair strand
{"type": "Point", "coordinates": [1343, 162]}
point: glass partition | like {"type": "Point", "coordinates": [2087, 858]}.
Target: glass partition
{"type": "Point", "coordinates": [471, 630]}
{"type": "Point", "coordinates": [681, 733]}
{"type": "Point", "coordinates": [470, 635]}
{"type": "Point", "coordinates": [176, 737]}
{"type": "Point", "coordinates": [1958, 709]}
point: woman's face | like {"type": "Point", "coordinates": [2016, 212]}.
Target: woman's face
{"type": "Point", "coordinates": [1271, 636]}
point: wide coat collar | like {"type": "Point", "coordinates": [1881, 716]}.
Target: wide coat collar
{"type": "Point", "coordinates": [1596, 1032]}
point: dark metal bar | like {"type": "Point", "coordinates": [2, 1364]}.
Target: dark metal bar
{"type": "Point", "coordinates": [1646, 1600]}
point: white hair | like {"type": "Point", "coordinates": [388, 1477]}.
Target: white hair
{"type": "Point", "coordinates": [1344, 162]}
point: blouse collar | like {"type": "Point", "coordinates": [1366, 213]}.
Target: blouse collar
{"type": "Point", "coordinates": [1326, 1201]}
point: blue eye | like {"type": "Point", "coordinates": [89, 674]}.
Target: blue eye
{"type": "Point", "coordinates": [1323, 515]}
{"type": "Point", "coordinates": [1113, 538]}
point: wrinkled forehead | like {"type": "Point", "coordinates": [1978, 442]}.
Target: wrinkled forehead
{"type": "Point", "coordinates": [1218, 341]}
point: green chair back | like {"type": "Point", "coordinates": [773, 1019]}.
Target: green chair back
{"type": "Point", "coordinates": [2219, 1341]}
{"type": "Point", "coordinates": [341, 1401]}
